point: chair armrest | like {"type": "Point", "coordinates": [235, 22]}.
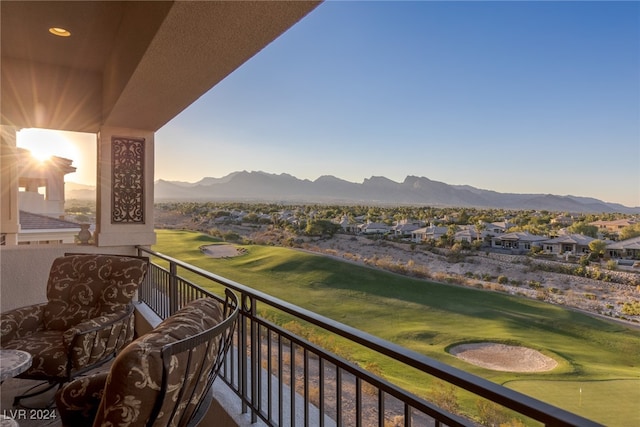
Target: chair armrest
{"type": "Point", "coordinates": [21, 322]}
{"type": "Point", "coordinates": [78, 401]}
{"type": "Point", "coordinates": [97, 339]}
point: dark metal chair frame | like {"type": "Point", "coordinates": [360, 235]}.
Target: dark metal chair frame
{"type": "Point", "coordinates": [222, 335]}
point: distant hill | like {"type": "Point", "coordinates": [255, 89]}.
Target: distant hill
{"type": "Point", "coordinates": [73, 190]}
{"type": "Point", "coordinates": [285, 188]}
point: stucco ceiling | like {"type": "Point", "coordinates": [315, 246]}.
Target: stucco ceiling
{"type": "Point", "coordinates": [126, 64]}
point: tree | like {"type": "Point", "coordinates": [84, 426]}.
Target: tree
{"type": "Point", "coordinates": [321, 227]}
{"type": "Point", "coordinates": [629, 232]}
{"type": "Point", "coordinates": [597, 247]}
{"type": "Point", "coordinates": [584, 228]}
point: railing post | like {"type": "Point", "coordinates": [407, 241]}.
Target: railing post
{"type": "Point", "coordinates": [243, 377]}
{"type": "Point", "coordinates": [173, 288]}
{"type": "Point", "coordinates": [255, 362]}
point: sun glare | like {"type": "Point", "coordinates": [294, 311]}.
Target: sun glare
{"type": "Point", "coordinates": [45, 143]}
{"type": "Point", "coordinates": [76, 146]}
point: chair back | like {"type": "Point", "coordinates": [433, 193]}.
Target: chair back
{"type": "Point", "coordinates": [84, 286]}
{"type": "Point", "coordinates": [163, 377]}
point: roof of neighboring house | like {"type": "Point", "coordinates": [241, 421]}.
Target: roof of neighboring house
{"type": "Point", "coordinates": [618, 223]}
{"type": "Point", "coordinates": [633, 243]}
{"type": "Point", "coordinates": [374, 225]}
{"type": "Point", "coordinates": [431, 230]}
{"type": "Point", "coordinates": [406, 227]}
{"type": "Point", "coordinates": [578, 239]}
{"type": "Point", "coordinates": [31, 221]}
{"type": "Point", "coordinates": [521, 235]}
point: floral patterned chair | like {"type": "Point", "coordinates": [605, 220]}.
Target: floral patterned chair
{"type": "Point", "coordinates": [87, 319]}
{"type": "Point", "coordinates": [163, 378]}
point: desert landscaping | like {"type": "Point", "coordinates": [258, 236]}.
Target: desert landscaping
{"type": "Point", "coordinates": [571, 291]}
{"type": "Point", "coordinates": [521, 276]}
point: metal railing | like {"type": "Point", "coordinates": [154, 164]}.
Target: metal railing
{"type": "Point", "coordinates": [287, 380]}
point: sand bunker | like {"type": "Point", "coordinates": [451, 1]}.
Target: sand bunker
{"type": "Point", "coordinates": [221, 251]}
{"type": "Point", "coordinates": [501, 357]}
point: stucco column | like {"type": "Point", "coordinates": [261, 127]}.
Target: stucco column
{"type": "Point", "coordinates": [9, 215]}
{"type": "Point", "coordinates": [125, 187]}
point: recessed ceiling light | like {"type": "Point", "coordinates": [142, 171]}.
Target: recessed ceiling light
{"type": "Point", "coordinates": [61, 32]}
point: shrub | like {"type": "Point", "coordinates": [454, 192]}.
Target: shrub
{"type": "Point", "coordinates": [503, 280]}
{"type": "Point", "coordinates": [631, 308]}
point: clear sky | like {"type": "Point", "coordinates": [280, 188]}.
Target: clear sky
{"type": "Point", "coordinates": [511, 96]}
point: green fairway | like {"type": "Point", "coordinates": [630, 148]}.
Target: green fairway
{"type": "Point", "coordinates": [427, 317]}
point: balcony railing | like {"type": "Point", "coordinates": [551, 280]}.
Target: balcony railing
{"type": "Point", "coordinates": [286, 380]}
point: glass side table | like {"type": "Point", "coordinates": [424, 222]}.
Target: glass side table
{"type": "Point", "coordinates": [13, 362]}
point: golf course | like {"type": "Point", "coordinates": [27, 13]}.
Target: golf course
{"type": "Point", "coordinates": [598, 360]}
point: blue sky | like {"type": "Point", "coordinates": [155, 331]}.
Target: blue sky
{"type": "Point", "coordinates": [526, 97]}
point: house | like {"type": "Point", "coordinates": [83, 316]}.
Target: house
{"type": "Point", "coordinates": [629, 249]}
{"type": "Point", "coordinates": [348, 226]}
{"type": "Point", "coordinates": [41, 183]}
{"type": "Point", "coordinates": [574, 244]}
{"type": "Point", "coordinates": [374, 228]}
{"type": "Point", "coordinates": [426, 234]}
{"type": "Point", "coordinates": [563, 220]}
{"type": "Point", "coordinates": [42, 229]}
{"type": "Point", "coordinates": [470, 234]}
{"type": "Point", "coordinates": [404, 228]}
{"type": "Point", "coordinates": [495, 228]}
{"type": "Point", "coordinates": [519, 241]}
{"type": "Point", "coordinates": [41, 200]}
{"type": "Point", "coordinates": [614, 226]}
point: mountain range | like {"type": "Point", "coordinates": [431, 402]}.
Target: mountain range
{"type": "Point", "coordinates": [377, 190]}
{"type": "Point", "coordinates": [285, 188]}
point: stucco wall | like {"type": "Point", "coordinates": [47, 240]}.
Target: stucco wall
{"type": "Point", "coordinates": [24, 270]}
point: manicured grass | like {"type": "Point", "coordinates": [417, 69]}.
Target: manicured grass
{"type": "Point", "coordinates": [429, 318]}
{"type": "Point", "coordinates": [586, 397]}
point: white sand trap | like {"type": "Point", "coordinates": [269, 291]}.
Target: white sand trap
{"type": "Point", "coordinates": [501, 357]}
{"type": "Point", "coordinates": [220, 251]}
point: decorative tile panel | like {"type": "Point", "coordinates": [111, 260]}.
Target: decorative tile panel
{"type": "Point", "coordinates": [127, 178]}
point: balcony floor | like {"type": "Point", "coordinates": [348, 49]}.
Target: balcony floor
{"type": "Point", "coordinates": [27, 417]}
{"type": "Point", "coordinates": [43, 417]}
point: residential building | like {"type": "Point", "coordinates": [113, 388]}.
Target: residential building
{"type": "Point", "coordinates": [575, 244]}
{"type": "Point", "coordinates": [405, 227]}
{"type": "Point", "coordinates": [518, 241]}
{"type": "Point", "coordinates": [613, 227]}
{"type": "Point", "coordinates": [374, 228]}
{"type": "Point", "coordinates": [629, 249]}
{"type": "Point", "coordinates": [43, 229]}
{"type": "Point", "coordinates": [429, 233]}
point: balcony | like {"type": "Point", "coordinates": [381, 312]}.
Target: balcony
{"type": "Point", "coordinates": [275, 377]}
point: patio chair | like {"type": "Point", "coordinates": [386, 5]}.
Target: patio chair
{"type": "Point", "coordinates": [163, 378]}
{"type": "Point", "coordinates": [87, 319]}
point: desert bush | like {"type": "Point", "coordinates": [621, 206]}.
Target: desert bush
{"type": "Point", "coordinates": [534, 284]}
{"type": "Point", "coordinates": [444, 395]}
{"type": "Point", "coordinates": [503, 280]}
{"type": "Point", "coordinates": [491, 414]}
{"type": "Point", "coordinates": [631, 308]}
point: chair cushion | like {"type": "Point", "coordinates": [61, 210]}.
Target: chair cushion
{"type": "Point", "coordinates": [135, 379]}
{"type": "Point", "coordinates": [82, 287]}
{"type": "Point", "coordinates": [49, 354]}
{"type": "Point", "coordinates": [78, 401]}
